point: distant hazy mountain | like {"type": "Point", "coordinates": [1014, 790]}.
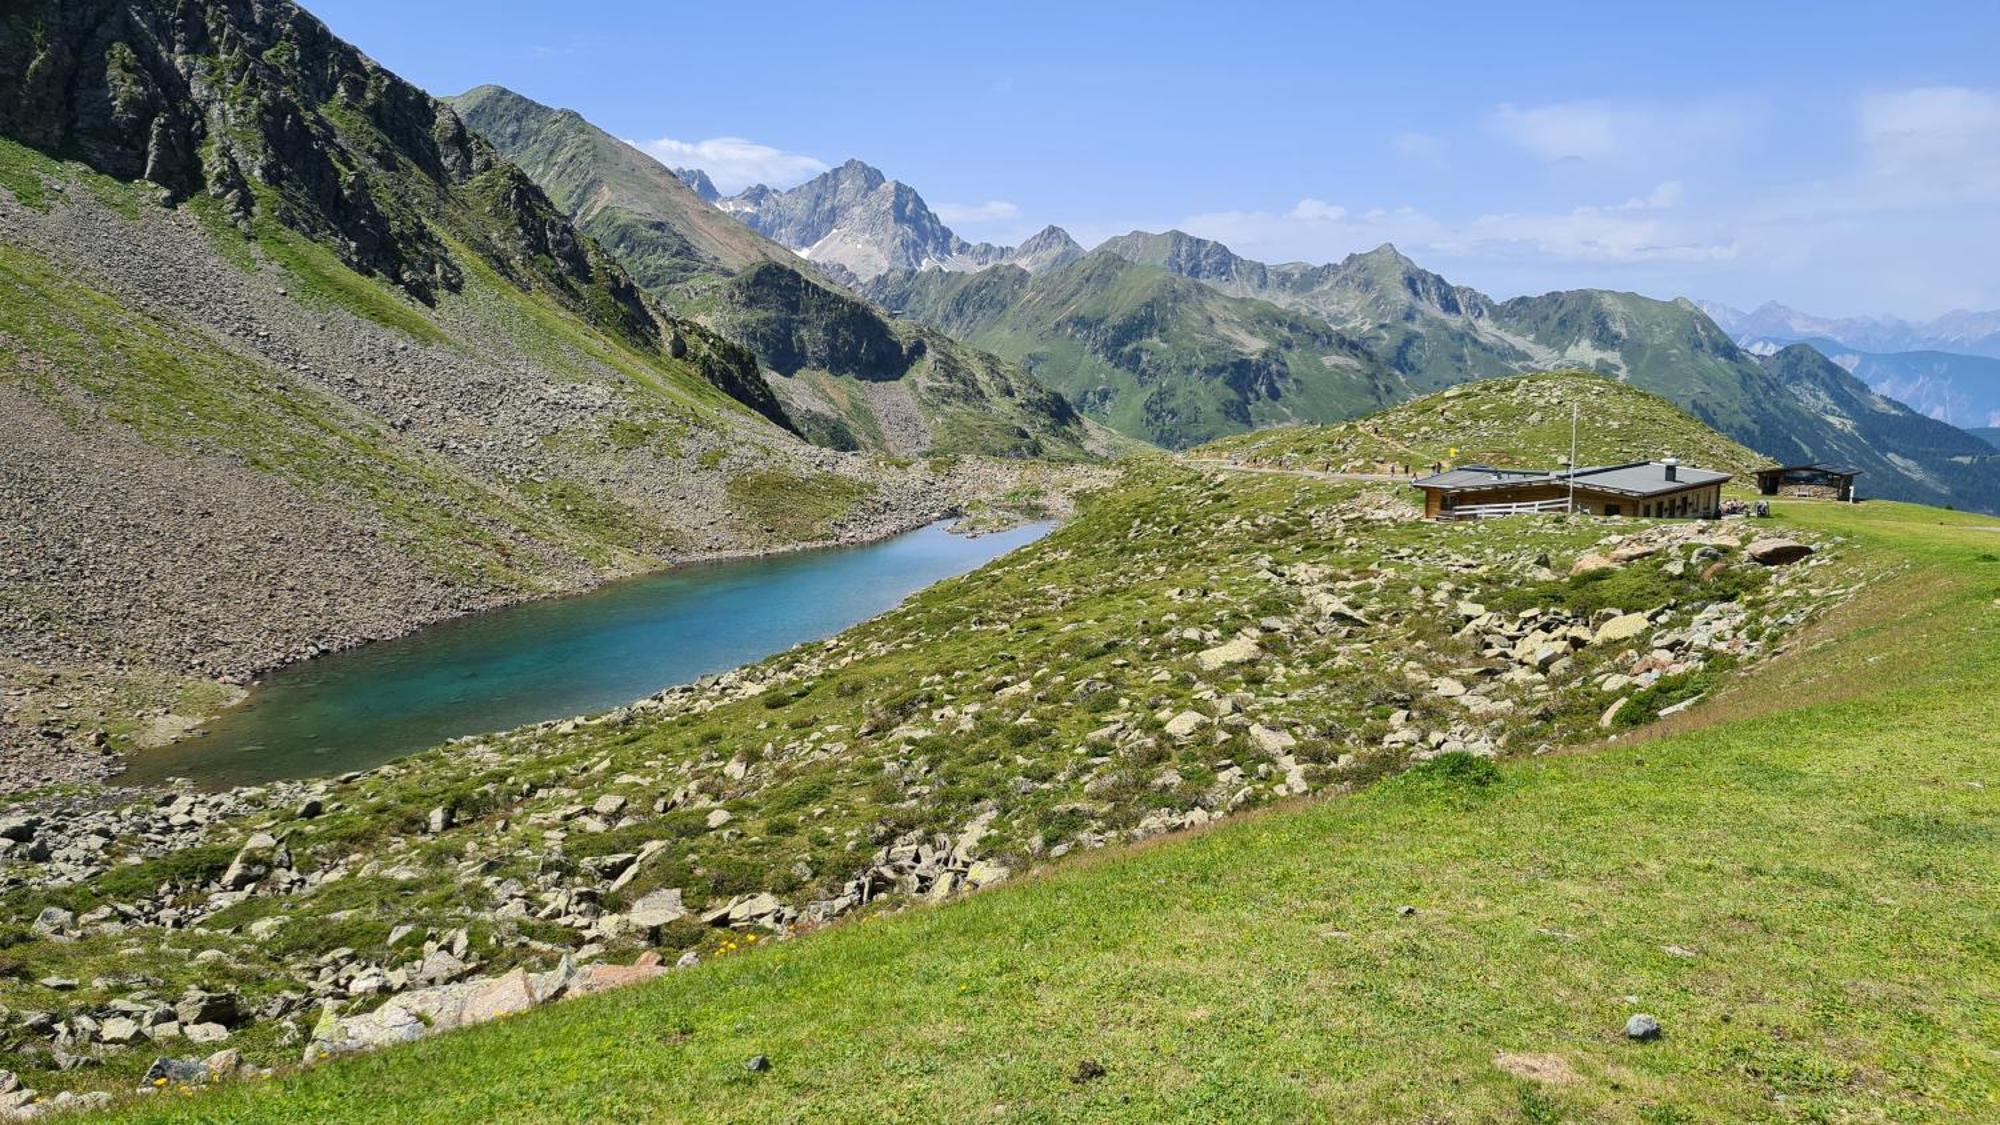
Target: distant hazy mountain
{"type": "Point", "coordinates": [1178, 339]}
{"type": "Point", "coordinates": [857, 223]}
{"type": "Point", "coordinates": [1961, 389]}
{"type": "Point", "coordinates": [1988, 434]}
{"type": "Point", "coordinates": [847, 375]}
{"type": "Point", "coordinates": [1970, 333]}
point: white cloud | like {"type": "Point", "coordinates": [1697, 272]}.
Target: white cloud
{"type": "Point", "coordinates": [1316, 211]}
{"type": "Point", "coordinates": [1621, 233]}
{"type": "Point", "coordinates": [733, 162]}
{"type": "Point", "coordinates": [1648, 228]}
{"type": "Point", "coordinates": [991, 211]}
{"type": "Point", "coordinates": [1603, 132]}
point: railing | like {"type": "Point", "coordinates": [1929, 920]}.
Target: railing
{"type": "Point", "coordinates": [1488, 511]}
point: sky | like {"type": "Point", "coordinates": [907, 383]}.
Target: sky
{"type": "Point", "coordinates": [1840, 158]}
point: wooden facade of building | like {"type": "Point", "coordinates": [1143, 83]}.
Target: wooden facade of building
{"type": "Point", "coordinates": [1648, 489]}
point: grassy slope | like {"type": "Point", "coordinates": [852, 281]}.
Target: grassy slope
{"type": "Point", "coordinates": [1523, 421]}
{"type": "Point", "coordinates": [1843, 960]}
{"type": "Point", "coordinates": [183, 390]}
{"type": "Point", "coordinates": [1151, 354]}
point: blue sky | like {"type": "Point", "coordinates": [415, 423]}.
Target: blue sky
{"type": "Point", "coordinates": [1843, 158]}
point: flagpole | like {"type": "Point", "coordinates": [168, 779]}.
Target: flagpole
{"type": "Point", "coordinates": [1572, 456]}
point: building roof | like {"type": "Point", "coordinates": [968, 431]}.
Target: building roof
{"type": "Point", "coordinates": [1481, 476]}
{"type": "Point", "coordinates": [1645, 478]}
{"type": "Point", "coordinates": [1635, 478]}
{"type": "Point", "coordinates": [1830, 468]}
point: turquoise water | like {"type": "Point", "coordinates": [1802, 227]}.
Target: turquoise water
{"type": "Point", "coordinates": [552, 659]}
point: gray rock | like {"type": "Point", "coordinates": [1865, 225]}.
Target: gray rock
{"type": "Point", "coordinates": [1777, 552]}
{"type": "Point", "coordinates": [657, 909]}
{"type": "Point", "coordinates": [1643, 1028]}
{"type": "Point", "coordinates": [53, 920]}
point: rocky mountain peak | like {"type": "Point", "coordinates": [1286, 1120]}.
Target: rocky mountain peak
{"type": "Point", "coordinates": [699, 183]}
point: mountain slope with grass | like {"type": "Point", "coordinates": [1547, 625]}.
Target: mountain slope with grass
{"type": "Point", "coordinates": [850, 377]}
{"type": "Point", "coordinates": [1146, 351]}
{"type": "Point", "coordinates": [291, 359]}
{"type": "Point", "coordinates": [1461, 943]}
{"type": "Point", "coordinates": [1963, 390]}
{"type": "Point", "coordinates": [1194, 645]}
{"type": "Point", "coordinates": [1520, 422]}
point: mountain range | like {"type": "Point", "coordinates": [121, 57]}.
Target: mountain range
{"type": "Point", "coordinates": [1961, 389]}
{"type": "Point", "coordinates": [1178, 340]}
{"type": "Point", "coordinates": [848, 376]}
{"type": "Point", "coordinates": [1962, 331]}
{"type": "Point", "coordinates": [1174, 339]}
{"type": "Point", "coordinates": [855, 223]}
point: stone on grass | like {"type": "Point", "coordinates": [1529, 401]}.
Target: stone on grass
{"type": "Point", "coordinates": [205, 1032]}
{"type": "Point", "coordinates": [1622, 628]}
{"type": "Point", "coordinates": [657, 909]}
{"type": "Point", "coordinates": [1270, 741]}
{"type": "Point", "coordinates": [503, 997]}
{"type": "Point", "coordinates": [1242, 650]}
{"type": "Point", "coordinates": [1185, 724]}
{"type": "Point", "coordinates": [1777, 552]}
{"type": "Point", "coordinates": [1642, 1028]}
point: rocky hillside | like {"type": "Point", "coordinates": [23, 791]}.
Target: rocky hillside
{"type": "Point", "coordinates": [850, 377]}
{"type": "Point", "coordinates": [1521, 422]}
{"type": "Point", "coordinates": [1120, 679]}
{"type": "Point", "coordinates": [658, 228]}
{"type": "Point", "coordinates": [291, 359]}
{"type": "Point", "coordinates": [857, 223]}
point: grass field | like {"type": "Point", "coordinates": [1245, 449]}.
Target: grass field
{"type": "Point", "coordinates": [1799, 884]}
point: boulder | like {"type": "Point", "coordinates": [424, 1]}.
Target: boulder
{"type": "Point", "coordinates": [1622, 628]}
{"type": "Point", "coordinates": [53, 920]}
{"type": "Point", "coordinates": [1611, 713]}
{"type": "Point", "coordinates": [1590, 562]}
{"type": "Point", "coordinates": [1777, 552]}
{"type": "Point", "coordinates": [500, 997]}
{"type": "Point", "coordinates": [1270, 741]}
{"type": "Point", "coordinates": [611, 804]}
{"type": "Point", "coordinates": [657, 909]}
{"type": "Point", "coordinates": [1242, 650]}
{"type": "Point", "coordinates": [253, 861]}
{"type": "Point", "coordinates": [1185, 724]}
{"type": "Point", "coordinates": [1642, 1028]}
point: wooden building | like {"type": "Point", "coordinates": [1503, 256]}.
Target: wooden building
{"type": "Point", "coordinates": [1819, 480]}
{"type": "Point", "coordinates": [1649, 489]}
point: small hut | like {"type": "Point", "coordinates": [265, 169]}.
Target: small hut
{"type": "Point", "coordinates": [1819, 481]}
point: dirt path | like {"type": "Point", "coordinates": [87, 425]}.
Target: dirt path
{"type": "Point", "coordinates": [1315, 474]}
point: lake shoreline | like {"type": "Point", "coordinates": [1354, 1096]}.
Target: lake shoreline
{"type": "Point", "coordinates": [637, 607]}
